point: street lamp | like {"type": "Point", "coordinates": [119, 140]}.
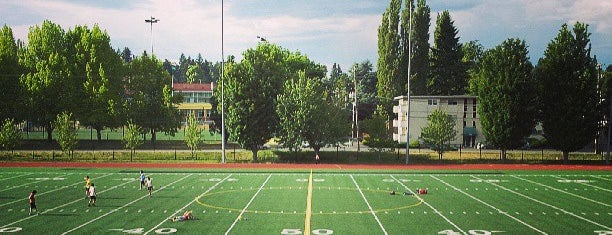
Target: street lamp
{"type": "Point", "coordinates": [222, 94]}
{"type": "Point", "coordinates": [151, 21]}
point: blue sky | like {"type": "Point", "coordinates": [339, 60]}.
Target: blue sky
{"type": "Point", "coordinates": [328, 31]}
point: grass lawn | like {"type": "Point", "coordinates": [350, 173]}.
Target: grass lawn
{"type": "Point", "coordinates": [276, 202]}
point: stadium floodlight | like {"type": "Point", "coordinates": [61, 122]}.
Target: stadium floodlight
{"type": "Point", "coordinates": [222, 95]}
{"type": "Point", "coordinates": [151, 21]}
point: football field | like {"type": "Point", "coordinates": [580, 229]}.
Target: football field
{"type": "Point", "coordinates": [307, 202]}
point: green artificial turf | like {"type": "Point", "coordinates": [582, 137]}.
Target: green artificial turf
{"type": "Point", "coordinates": [261, 202]}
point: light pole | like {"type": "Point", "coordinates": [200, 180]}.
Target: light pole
{"type": "Point", "coordinates": [356, 110]}
{"type": "Point", "coordinates": [408, 111]}
{"type": "Point", "coordinates": [222, 95]}
{"type": "Point", "coordinates": [151, 21]}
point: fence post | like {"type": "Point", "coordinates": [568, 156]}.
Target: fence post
{"type": "Point", "coordinates": [174, 153]}
{"type": "Point", "coordinates": [113, 154]}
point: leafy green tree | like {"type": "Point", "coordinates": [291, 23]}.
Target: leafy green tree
{"type": "Point", "coordinates": [47, 75]}
{"type": "Point", "coordinates": [132, 138]}
{"type": "Point", "coordinates": [98, 72]}
{"type": "Point", "coordinates": [66, 133]}
{"type": "Point", "coordinates": [10, 135]}
{"type": "Point", "coordinates": [151, 104]}
{"type": "Point", "coordinates": [568, 90]}
{"type": "Point", "coordinates": [388, 74]}
{"type": "Point", "coordinates": [11, 93]}
{"type": "Point", "coordinates": [448, 71]}
{"type": "Point", "coordinates": [307, 114]}
{"type": "Point", "coordinates": [506, 94]}
{"type": "Point", "coordinates": [252, 87]}
{"type": "Point", "coordinates": [193, 134]}
{"type": "Point", "coordinates": [439, 132]}
{"type": "Point", "coordinates": [378, 137]}
{"type": "Point", "coordinates": [194, 74]}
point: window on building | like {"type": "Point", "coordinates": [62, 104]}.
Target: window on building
{"type": "Point", "coordinates": [452, 102]}
{"type": "Point", "coordinates": [464, 124]}
{"type": "Point", "coordinates": [474, 123]}
{"type": "Point", "coordinates": [433, 102]}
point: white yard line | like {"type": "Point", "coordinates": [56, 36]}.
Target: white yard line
{"type": "Point", "coordinates": [188, 204]}
{"type": "Point", "coordinates": [117, 209]}
{"type": "Point", "coordinates": [46, 192]}
{"type": "Point", "coordinates": [3, 179]}
{"type": "Point", "coordinates": [489, 205]}
{"type": "Point", "coordinates": [22, 185]}
{"type": "Point", "coordinates": [370, 207]}
{"type": "Point", "coordinates": [247, 205]}
{"type": "Point", "coordinates": [308, 206]}
{"type": "Point", "coordinates": [563, 191]}
{"type": "Point", "coordinates": [65, 204]}
{"type": "Point", "coordinates": [599, 177]}
{"type": "Point", "coordinates": [585, 184]}
{"type": "Point", "coordinates": [546, 204]}
{"type": "Point", "coordinates": [430, 206]}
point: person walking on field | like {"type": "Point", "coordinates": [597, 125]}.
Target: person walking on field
{"type": "Point", "coordinates": [317, 158]}
{"type": "Point", "coordinates": [92, 196]}
{"type": "Point", "coordinates": [87, 185]}
{"type": "Point", "coordinates": [142, 179]}
{"type": "Point", "coordinates": [33, 203]}
{"type": "Point", "coordinates": [149, 185]}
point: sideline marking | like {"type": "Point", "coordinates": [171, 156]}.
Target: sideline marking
{"type": "Point", "coordinates": [371, 210]}
{"type": "Point", "coordinates": [551, 206]}
{"type": "Point", "coordinates": [308, 206]}
{"type": "Point", "coordinates": [247, 205]}
{"type": "Point", "coordinates": [429, 205]}
{"type": "Point", "coordinates": [117, 209]}
{"type": "Point", "coordinates": [22, 185]}
{"type": "Point", "coordinates": [489, 205]}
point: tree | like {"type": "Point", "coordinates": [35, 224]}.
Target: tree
{"type": "Point", "coordinates": [11, 93]}
{"type": "Point", "coordinates": [98, 72]}
{"type": "Point", "coordinates": [506, 95]}
{"type": "Point", "coordinates": [194, 74]}
{"type": "Point", "coordinates": [377, 138]}
{"type": "Point", "coordinates": [366, 89]}
{"type": "Point", "coordinates": [439, 132]}
{"type": "Point", "coordinates": [448, 71]}
{"type": "Point", "coordinates": [388, 74]}
{"type": "Point", "coordinates": [420, 69]}
{"type": "Point", "coordinates": [307, 113]}
{"type": "Point", "coordinates": [131, 139]}
{"type": "Point", "coordinates": [252, 87]}
{"type": "Point", "coordinates": [193, 134]}
{"type": "Point", "coordinates": [47, 75]}
{"type": "Point", "coordinates": [10, 135]}
{"type": "Point", "coordinates": [568, 90]}
{"type": "Point", "coordinates": [126, 55]}
{"type": "Point", "coordinates": [66, 133]}
{"type": "Point", "coordinates": [404, 47]}
{"type": "Point", "coordinates": [472, 54]}
{"type": "Point", "coordinates": [152, 105]}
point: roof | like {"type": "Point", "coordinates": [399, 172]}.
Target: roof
{"type": "Point", "coordinates": [403, 97]}
{"type": "Point", "coordinates": [193, 86]}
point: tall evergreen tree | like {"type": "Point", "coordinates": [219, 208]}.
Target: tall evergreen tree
{"type": "Point", "coordinates": [388, 59]}
{"type": "Point", "coordinates": [448, 72]}
{"type": "Point", "coordinates": [506, 95]}
{"type": "Point", "coordinates": [420, 70]}
{"type": "Point", "coordinates": [568, 90]}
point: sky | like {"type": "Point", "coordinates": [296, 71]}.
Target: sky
{"type": "Point", "coordinates": [327, 31]}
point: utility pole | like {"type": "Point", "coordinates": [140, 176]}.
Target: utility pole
{"type": "Point", "coordinates": [151, 21]}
